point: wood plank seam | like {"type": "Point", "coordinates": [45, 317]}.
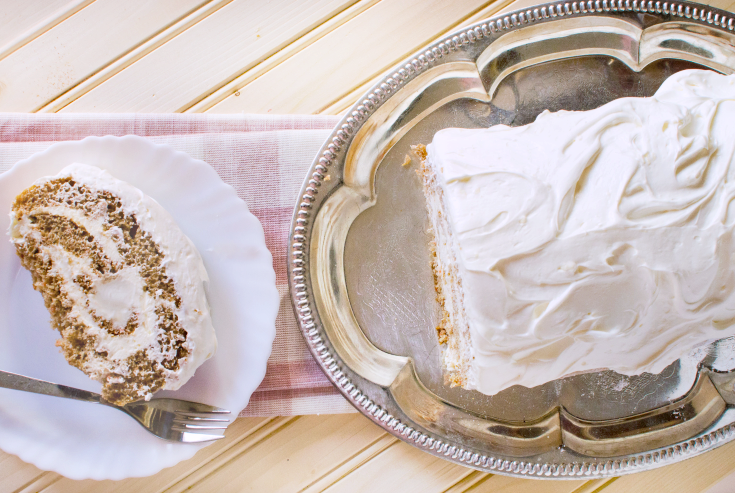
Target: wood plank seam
{"type": "Point", "coordinates": [312, 34]}
{"type": "Point", "coordinates": [425, 472]}
{"type": "Point", "coordinates": [268, 422]}
{"type": "Point", "coordinates": [352, 463]}
{"type": "Point", "coordinates": [377, 56]}
{"type": "Point", "coordinates": [26, 485]}
{"type": "Point", "coordinates": [342, 103]}
{"type": "Point", "coordinates": [15, 469]}
{"type": "Point", "coordinates": [475, 480]}
{"type": "Point", "coordinates": [472, 479]}
{"type": "Point", "coordinates": [158, 39]}
{"type": "Point", "coordinates": [43, 26]}
{"type": "Point", "coordinates": [232, 453]}
{"type": "Point", "coordinates": [595, 485]}
{"type": "Point", "coordinates": [39, 483]}
{"type": "Point", "coordinates": [247, 79]}
{"type": "Point", "coordinates": [47, 478]}
{"type": "Point", "coordinates": [479, 482]}
{"type": "Point", "coordinates": [166, 477]}
{"type": "Point", "coordinates": [246, 76]}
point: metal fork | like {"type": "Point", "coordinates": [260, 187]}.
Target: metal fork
{"type": "Point", "coordinates": [170, 419]}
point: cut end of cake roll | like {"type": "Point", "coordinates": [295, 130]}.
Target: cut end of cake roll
{"type": "Point", "coordinates": [124, 286]}
{"type": "Point", "coordinates": [452, 329]}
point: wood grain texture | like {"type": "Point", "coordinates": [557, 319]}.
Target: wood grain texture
{"type": "Point", "coordinates": [202, 58]}
{"type": "Point", "coordinates": [240, 435]}
{"type": "Point", "coordinates": [16, 474]}
{"type": "Point", "coordinates": [402, 466]}
{"type": "Point", "coordinates": [721, 4]}
{"type": "Point", "coordinates": [478, 482]}
{"type": "Point", "coordinates": [279, 57]}
{"type": "Point", "coordinates": [725, 484]}
{"type": "Point", "coordinates": [338, 105]}
{"type": "Point", "coordinates": [692, 475]}
{"type": "Point", "coordinates": [349, 56]}
{"type": "Point", "coordinates": [468, 482]}
{"type": "Point", "coordinates": [70, 52]}
{"type": "Point", "coordinates": [22, 22]}
{"type": "Point", "coordinates": [351, 464]}
{"type": "Point", "coordinates": [133, 55]}
{"type": "Point", "coordinates": [505, 484]}
{"type": "Point", "coordinates": [41, 483]}
{"type": "Point", "coordinates": [308, 449]}
{"type": "Point", "coordinates": [595, 485]}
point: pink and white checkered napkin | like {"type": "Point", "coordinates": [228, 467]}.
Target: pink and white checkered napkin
{"type": "Point", "coordinates": [265, 158]}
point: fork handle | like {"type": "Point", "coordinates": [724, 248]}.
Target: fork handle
{"type": "Point", "coordinates": [27, 384]}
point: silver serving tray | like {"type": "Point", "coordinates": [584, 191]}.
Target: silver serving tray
{"type": "Point", "coordinates": [359, 263]}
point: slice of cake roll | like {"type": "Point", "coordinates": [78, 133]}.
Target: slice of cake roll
{"type": "Point", "coordinates": [123, 284]}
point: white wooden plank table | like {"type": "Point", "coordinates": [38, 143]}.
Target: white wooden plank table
{"type": "Point", "coordinates": [232, 56]}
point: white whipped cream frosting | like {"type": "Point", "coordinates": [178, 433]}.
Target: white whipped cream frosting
{"type": "Point", "coordinates": [116, 297]}
{"type": "Point", "coordinates": [596, 239]}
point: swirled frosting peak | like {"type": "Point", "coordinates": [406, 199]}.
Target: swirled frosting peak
{"type": "Point", "coordinates": [596, 239]}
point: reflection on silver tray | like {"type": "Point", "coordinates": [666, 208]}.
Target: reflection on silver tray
{"type": "Point", "coordinates": [360, 272]}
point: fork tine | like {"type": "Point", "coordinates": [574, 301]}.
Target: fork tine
{"type": "Point", "coordinates": [197, 419]}
{"type": "Point", "coordinates": [183, 425]}
{"type": "Point", "coordinates": [202, 414]}
{"type": "Point", "coordinates": [185, 415]}
{"type": "Point", "coordinates": [203, 408]}
{"type": "Point", "coordinates": [182, 421]}
{"type": "Point", "coordinates": [187, 437]}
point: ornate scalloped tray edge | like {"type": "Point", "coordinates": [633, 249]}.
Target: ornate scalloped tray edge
{"type": "Point", "coordinates": [471, 67]}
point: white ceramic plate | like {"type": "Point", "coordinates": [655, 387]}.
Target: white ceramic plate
{"type": "Point", "coordinates": [81, 440]}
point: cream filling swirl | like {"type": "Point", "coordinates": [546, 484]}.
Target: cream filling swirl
{"type": "Point", "coordinates": [120, 295]}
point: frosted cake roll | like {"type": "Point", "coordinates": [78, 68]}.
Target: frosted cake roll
{"type": "Point", "coordinates": [586, 240]}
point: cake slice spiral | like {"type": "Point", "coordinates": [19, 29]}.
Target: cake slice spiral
{"type": "Point", "coordinates": [123, 284]}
